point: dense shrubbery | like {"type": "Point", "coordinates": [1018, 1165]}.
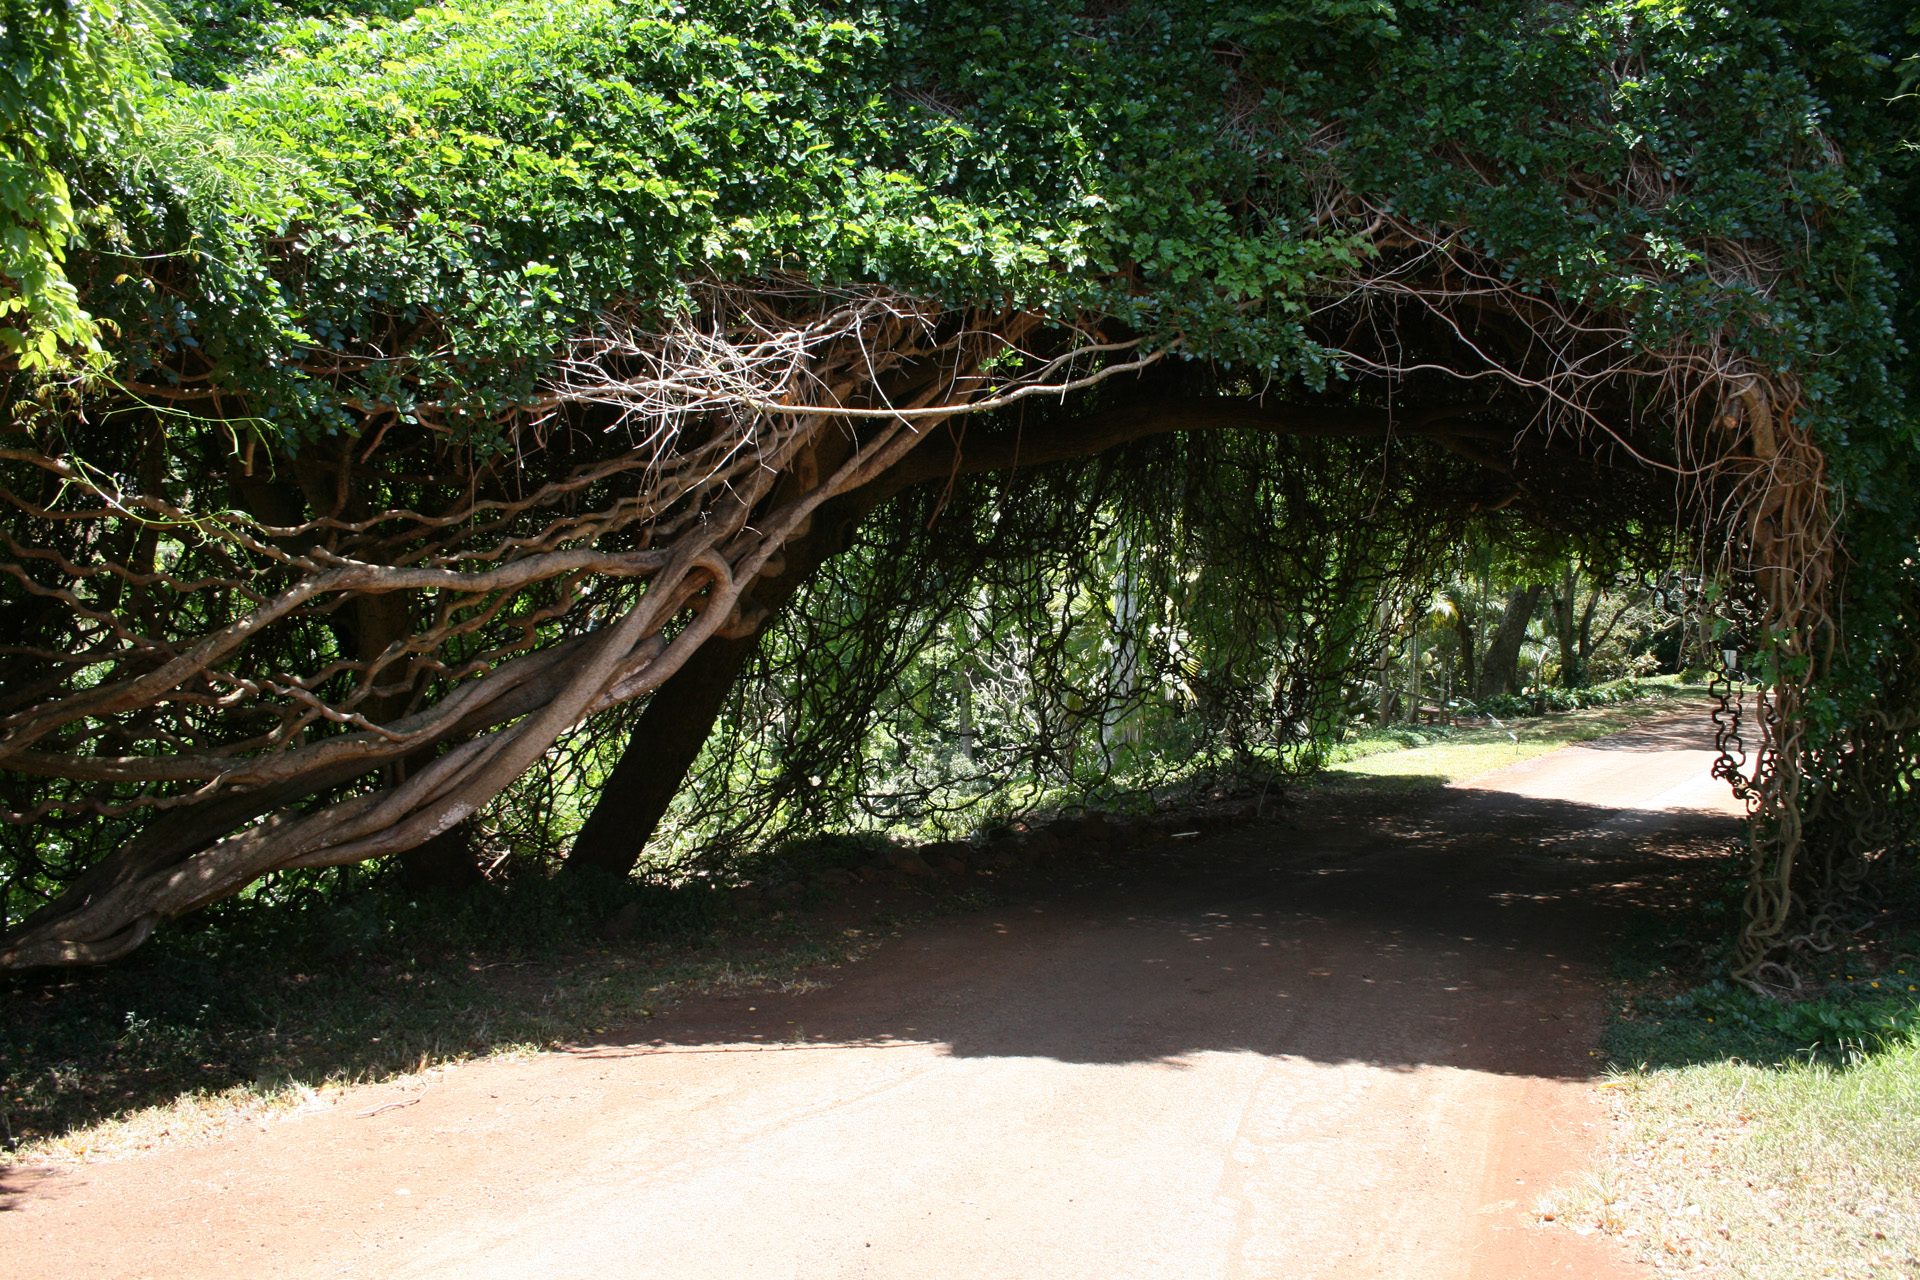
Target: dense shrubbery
{"type": "Point", "coordinates": [1552, 698]}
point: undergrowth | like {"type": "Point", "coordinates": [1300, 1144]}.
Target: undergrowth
{"type": "Point", "coordinates": [1545, 701]}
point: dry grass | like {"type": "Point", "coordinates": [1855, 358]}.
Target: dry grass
{"type": "Point", "coordinates": [1755, 1139]}
{"type": "Point", "coordinates": [189, 1119]}
{"type": "Point", "coordinates": [1763, 1173]}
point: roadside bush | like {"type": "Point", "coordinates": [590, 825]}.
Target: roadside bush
{"type": "Point", "coordinates": [1882, 1014]}
{"type": "Point", "coordinates": [1515, 705]}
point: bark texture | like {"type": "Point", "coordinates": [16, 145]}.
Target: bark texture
{"type": "Point", "coordinates": [665, 742]}
{"type": "Point", "coordinates": [1500, 669]}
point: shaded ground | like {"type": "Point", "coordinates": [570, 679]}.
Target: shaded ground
{"type": "Point", "coordinates": [275, 1000]}
{"type": "Point", "coordinates": [1355, 1043]}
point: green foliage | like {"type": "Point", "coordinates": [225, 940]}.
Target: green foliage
{"type": "Point", "coordinates": [224, 39]}
{"type": "Point", "coordinates": [1184, 613]}
{"type": "Point", "coordinates": [1860, 995]}
{"type": "Point", "coordinates": [1869, 1017]}
{"type": "Point", "coordinates": [465, 189]}
{"type": "Point", "coordinates": [388, 213]}
{"type": "Point", "coordinates": [71, 73]}
{"type": "Point", "coordinates": [502, 175]}
{"type": "Point", "coordinates": [1554, 698]}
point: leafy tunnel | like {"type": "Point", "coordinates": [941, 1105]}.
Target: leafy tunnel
{"type": "Point", "coordinates": [444, 404]}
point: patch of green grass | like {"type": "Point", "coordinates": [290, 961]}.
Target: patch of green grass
{"type": "Point", "coordinates": [1720, 1021]}
{"type": "Point", "coordinates": [1672, 1008]}
{"type": "Point", "coordinates": [1754, 1137]}
{"type": "Point", "coordinates": [1775, 1171]}
{"type": "Point", "coordinates": [250, 1009]}
{"type": "Point", "coordinates": [1437, 754]}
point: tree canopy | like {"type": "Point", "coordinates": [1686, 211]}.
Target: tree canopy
{"type": "Point", "coordinates": [473, 374]}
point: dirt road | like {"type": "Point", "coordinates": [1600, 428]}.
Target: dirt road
{"type": "Point", "coordinates": [1354, 1044]}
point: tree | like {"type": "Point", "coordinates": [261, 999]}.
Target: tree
{"type": "Point", "coordinates": [475, 373]}
{"type": "Point", "coordinates": [1500, 667]}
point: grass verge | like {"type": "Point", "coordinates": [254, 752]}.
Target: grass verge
{"type": "Point", "coordinates": [1754, 1138]}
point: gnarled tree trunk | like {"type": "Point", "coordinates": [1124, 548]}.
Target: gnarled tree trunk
{"type": "Point", "coordinates": [1500, 668]}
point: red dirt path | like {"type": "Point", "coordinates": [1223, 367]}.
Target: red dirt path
{"type": "Point", "coordinates": [1354, 1044]}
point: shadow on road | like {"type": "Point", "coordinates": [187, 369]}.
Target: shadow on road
{"type": "Point", "coordinates": [1386, 920]}
{"type": "Point", "coordinates": [1461, 929]}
